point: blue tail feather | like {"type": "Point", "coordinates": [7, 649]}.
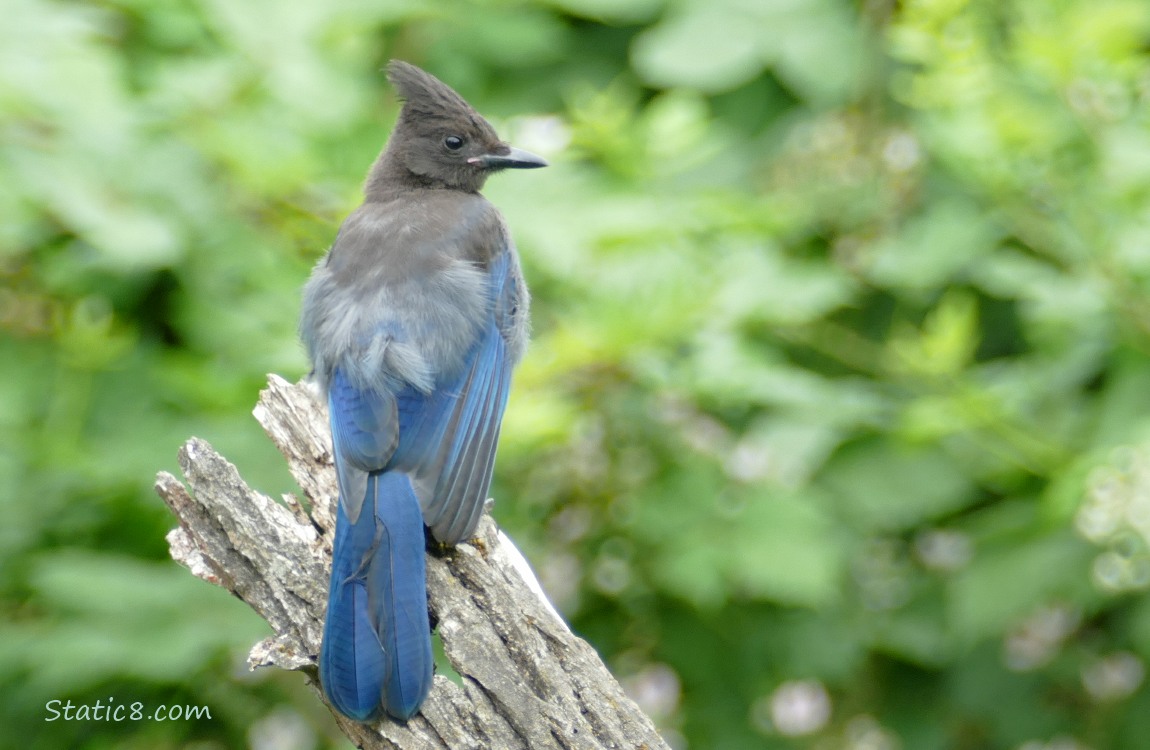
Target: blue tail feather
{"type": "Point", "coordinates": [376, 652]}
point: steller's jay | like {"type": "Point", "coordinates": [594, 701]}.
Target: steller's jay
{"type": "Point", "coordinates": [413, 322]}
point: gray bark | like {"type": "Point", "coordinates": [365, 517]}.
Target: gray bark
{"type": "Point", "coordinates": [528, 681]}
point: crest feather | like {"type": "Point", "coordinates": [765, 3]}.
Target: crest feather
{"type": "Point", "coordinates": [424, 93]}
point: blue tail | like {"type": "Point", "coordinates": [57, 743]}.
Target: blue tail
{"type": "Point", "coordinates": [376, 650]}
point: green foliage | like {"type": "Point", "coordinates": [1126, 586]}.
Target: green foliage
{"type": "Point", "coordinates": [834, 432]}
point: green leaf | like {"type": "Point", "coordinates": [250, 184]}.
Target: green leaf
{"type": "Point", "coordinates": [889, 487]}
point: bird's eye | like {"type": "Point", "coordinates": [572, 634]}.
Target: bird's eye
{"type": "Point", "coordinates": [453, 142]}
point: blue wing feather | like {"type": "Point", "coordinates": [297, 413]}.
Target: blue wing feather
{"type": "Point", "coordinates": [364, 432]}
{"type": "Point", "coordinates": [448, 437]}
{"type": "Point", "coordinates": [462, 487]}
{"type": "Point", "coordinates": [364, 423]}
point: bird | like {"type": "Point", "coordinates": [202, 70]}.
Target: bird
{"type": "Point", "coordinates": [413, 321]}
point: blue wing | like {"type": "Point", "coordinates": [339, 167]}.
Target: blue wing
{"type": "Point", "coordinates": [447, 438]}
{"type": "Point", "coordinates": [364, 433]}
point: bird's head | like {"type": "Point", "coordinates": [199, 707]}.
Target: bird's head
{"type": "Point", "coordinates": [441, 140]}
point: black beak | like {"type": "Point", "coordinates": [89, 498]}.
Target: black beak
{"type": "Point", "coordinates": [515, 158]}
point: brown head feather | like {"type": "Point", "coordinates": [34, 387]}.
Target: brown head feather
{"type": "Point", "coordinates": [433, 115]}
{"type": "Point", "coordinates": [423, 93]}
